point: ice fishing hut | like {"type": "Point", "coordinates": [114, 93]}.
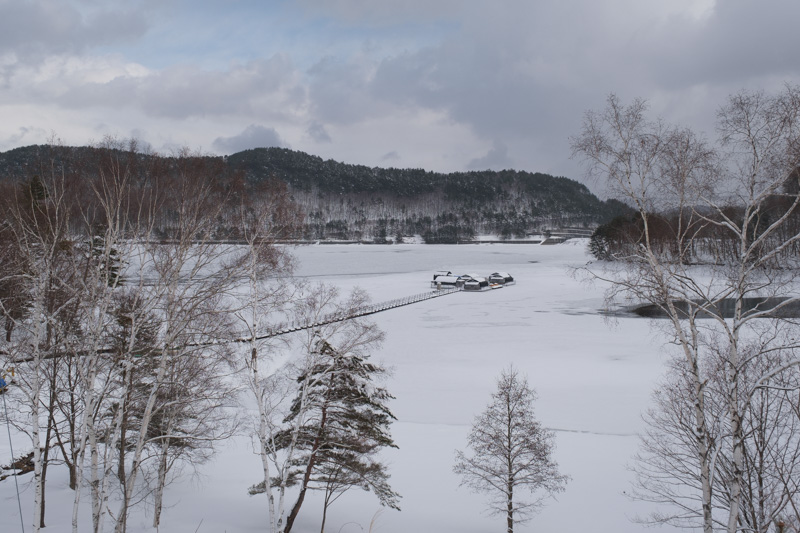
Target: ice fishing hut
{"type": "Point", "coordinates": [476, 284]}
{"type": "Point", "coordinates": [441, 273]}
{"type": "Point", "coordinates": [447, 282]}
{"type": "Point", "coordinates": [501, 278]}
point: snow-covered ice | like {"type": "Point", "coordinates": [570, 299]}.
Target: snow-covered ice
{"type": "Point", "coordinates": [593, 381]}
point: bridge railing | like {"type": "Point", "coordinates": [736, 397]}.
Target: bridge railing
{"type": "Point", "coordinates": [290, 327]}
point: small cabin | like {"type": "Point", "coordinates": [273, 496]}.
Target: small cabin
{"type": "Point", "coordinates": [476, 284]}
{"type": "Point", "coordinates": [447, 281]}
{"type": "Point", "coordinates": [441, 273]}
{"type": "Point", "coordinates": [501, 278]}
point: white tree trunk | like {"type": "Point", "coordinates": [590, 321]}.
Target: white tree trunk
{"type": "Point", "coordinates": [161, 482]}
{"type": "Point", "coordinates": [130, 482]}
{"type": "Point", "coordinates": [264, 442]}
{"type": "Point", "coordinates": [40, 326]}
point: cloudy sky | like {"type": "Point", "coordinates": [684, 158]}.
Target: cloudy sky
{"type": "Point", "coordinates": [439, 84]}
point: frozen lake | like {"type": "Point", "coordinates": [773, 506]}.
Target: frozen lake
{"type": "Point", "coordinates": [593, 380]}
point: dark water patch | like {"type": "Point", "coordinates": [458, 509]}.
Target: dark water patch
{"type": "Point", "coordinates": [777, 307]}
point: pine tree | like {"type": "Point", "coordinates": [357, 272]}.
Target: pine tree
{"type": "Point", "coordinates": [346, 422]}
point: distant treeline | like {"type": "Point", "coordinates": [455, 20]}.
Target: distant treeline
{"type": "Point", "coordinates": [693, 236]}
{"type": "Point", "coordinates": [356, 202]}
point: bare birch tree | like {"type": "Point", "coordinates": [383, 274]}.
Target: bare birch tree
{"type": "Point", "coordinates": [182, 281]}
{"type": "Point", "coordinates": [116, 212]}
{"type": "Point", "coordinates": [666, 467]}
{"type": "Point", "coordinates": [122, 305]}
{"type": "Point", "coordinates": [43, 262]}
{"type": "Point", "coordinates": [709, 247]}
{"type": "Point", "coordinates": [263, 219]}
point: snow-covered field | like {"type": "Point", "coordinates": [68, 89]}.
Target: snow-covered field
{"type": "Point", "coordinates": [593, 380]}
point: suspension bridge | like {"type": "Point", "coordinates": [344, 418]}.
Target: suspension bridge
{"type": "Point", "coordinates": [285, 328]}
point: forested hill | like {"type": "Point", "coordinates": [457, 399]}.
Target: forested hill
{"type": "Point", "coordinates": [307, 172]}
{"type": "Point", "coordinates": [344, 201]}
{"type": "Point", "coordinates": [355, 201]}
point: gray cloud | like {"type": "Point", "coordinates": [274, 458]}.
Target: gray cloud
{"type": "Point", "coordinates": [253, 136]}
{"type": "Point", "coordinates": [496, 159]}
{"type": "Point", "coordinates": [317, 131]}
{"type": "Point", "coordinates": [371, 13]}
{"type": "Point", "coordinates": [264, 87]}
{"type": "Point", "coordinates": [23, 135]}
{"type": "Point", "coordinates": [339, 91]}
{"type": "Point", "coordinates": [35, 28]}
{"type": "Point", "coordinates": [741, 41]}
{"type": "Point", "coordinates": [525, 75]}
{"type": "Point", "coordinates": [515, 75]}
{"type": "Point", "coordinates": [390, 156]}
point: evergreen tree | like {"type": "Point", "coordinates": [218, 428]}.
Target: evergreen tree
{"type": "Point", "coordinates": [345, 423]}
